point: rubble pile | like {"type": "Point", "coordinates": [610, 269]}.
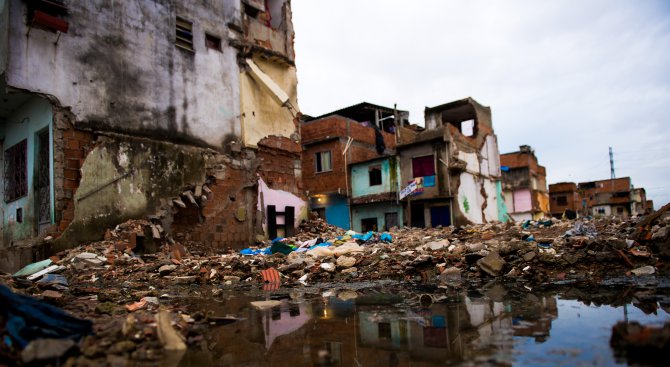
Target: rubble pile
{"type": "Point", "coordinates": [134, 284]}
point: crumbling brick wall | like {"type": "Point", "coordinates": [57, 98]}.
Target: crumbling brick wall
{"type": "Point", "coordinates": [71, 146]}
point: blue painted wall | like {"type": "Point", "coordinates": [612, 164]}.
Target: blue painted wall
{"type": "Point", "coordinates": [376, 210]}
{"type": "Point", "coordinates": [360, 178]}
{"type": "Point", "coordinates": [25, 122]}
{"type": "Point", "coordinates": [337, 209]}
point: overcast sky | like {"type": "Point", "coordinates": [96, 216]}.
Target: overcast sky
{"type": "Point", "coordinates": [568, 77]}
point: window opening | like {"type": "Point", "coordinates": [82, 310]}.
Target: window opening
{"type": "Point", "coordinates": [323, 162]}
{"type": "Point", "coordinates": [468, 127]}
{"type": "Point", "coordinates": [212, 42]}
{"type": "Point", "coordinates": [423, 166]}
{"type": "Point", "coordinates": [16, 171]}
{"type": "Point", "coordinates": [184, 29]}
{"type": "Point", "coordinates": [375, 175]}
{"type": "Point", "coordinates": [562, 200]}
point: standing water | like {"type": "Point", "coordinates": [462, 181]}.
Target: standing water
{"type": "Point", "coordinates": [396, 325]}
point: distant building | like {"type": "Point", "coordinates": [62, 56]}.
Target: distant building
{"type": "Point", "coordinates": [606, 197]}
{"type": "Point", "coordinates": [611, 197]}
{"type": "Point", "coordinates": [374, 195]}
{"type": "Point", "coordinates": [524, 184]}
{"type": "Point", "coordinates": [564, 200]}
{"type": "Point", "coordinates": [335, 140]}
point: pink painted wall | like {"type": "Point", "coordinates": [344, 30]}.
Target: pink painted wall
{"type": "Point", "coordinates": [522, 201]}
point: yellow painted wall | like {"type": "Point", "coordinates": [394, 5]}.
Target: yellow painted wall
{"type": "Point", "coordinates": [261, 114]}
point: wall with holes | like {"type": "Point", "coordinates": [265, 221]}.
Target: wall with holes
{"type": "Point", "coordinates": [19, 215]}
{"type": "Point", "coordinates": [117, 67]}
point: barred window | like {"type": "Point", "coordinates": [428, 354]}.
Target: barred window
{"type": "Point", "coordinates": [16, 171]}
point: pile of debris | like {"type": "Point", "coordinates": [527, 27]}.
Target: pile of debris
{"type": "Point", "coordinates": [126, 283]}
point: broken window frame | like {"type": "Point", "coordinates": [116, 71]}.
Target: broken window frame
{"type": "Point", "coordinates": [375, 175]}
{"type": "Point", "coordinates": [16, 171]}
{"type": "Point", "coordinates": [416, 169]}
{"type": "Point", "coordinates": [323, 162]}
{"type": "Point", "coordinates": [212, 42]}
{"type": "Point", "coordinates": [184, 34]}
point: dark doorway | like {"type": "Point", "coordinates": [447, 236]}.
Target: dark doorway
{"type": "Point", "coordinates": [43, 182]}
{"type": "Point", "coordinates": [390, 220]}
{"type": "Point", "coordinates": [418, 219]}
{"type": "Point", "coordinates": [368, 224]}
{"type": "Point", "coordinates": [440, 216]}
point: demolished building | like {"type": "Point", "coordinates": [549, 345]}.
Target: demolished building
{"type": "Point", "coordinates": [524, 184]}
{"type": "Point", "coordinates": [455, 162]}
{"type": "Point", "coordinates": [564, 200]}
{"type": "Point", "coordinates": [183, 114]}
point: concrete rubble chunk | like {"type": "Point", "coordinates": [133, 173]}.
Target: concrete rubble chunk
{"type": "Point", "coordinates": [43, 350]}
{"type": "Point", "coordinates": [167, 335]}
{"type": "Point", "coordinates": [166, 269]}
{"type": "Point", "coordinates": [346, 261]}
{"type": "Point", "coordinates": [644, 270]}
{"type": "Point", "coordinates": [450, 274]}
{"type": "Point", "coordinates": [329, 267]}
{"type": "Point", "coordinates": [492, 264]}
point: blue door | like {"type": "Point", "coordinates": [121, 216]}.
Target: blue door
{"type": "Point", "coordinates": [440, 215]}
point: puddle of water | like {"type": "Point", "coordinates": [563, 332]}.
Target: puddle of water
{"type": "Point", "coordinates": [373, 327]}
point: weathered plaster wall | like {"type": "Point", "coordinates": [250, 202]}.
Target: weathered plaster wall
{"type": "Point", "coordinates": [24, 123]}
{"type": "Point", "coordinates": [407, 175]}
{"type": "Point", "coordinates": [107, 196]}
{"type": "Point", "coordinates": [261, 114]}
{"type": "Point", "coordinates": [4, 34]}
{"type": "Point", "coordinates": [119, 70]}
{"type": "Point", "coordinates": [470, 198]}
{"type": "Point", "coordinates": [360, 178]}
{"type": "Point", "coordinates": [522, 201]}
{"type": "Point", "coordinates": [376, 210]}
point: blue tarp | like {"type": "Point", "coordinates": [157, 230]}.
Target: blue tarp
{"type": "Point", "coordinates": [29, 318]}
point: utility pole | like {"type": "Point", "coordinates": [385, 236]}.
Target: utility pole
{"type": "Point", "coordinates": [612, 163]}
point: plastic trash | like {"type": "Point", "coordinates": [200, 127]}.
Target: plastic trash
{"type": "Point", "coordinates": [55, 281]}
{"type": "Point", "coordinates": [29, 319]}
{"type": "Point", "coordinates": [281, 247]}
{"type": "Point", "coordinates": [365, 237]}
{"type": "Point", "coordinates": [581, 229]}
{"type": "Point", "coordinates": [386, 237]}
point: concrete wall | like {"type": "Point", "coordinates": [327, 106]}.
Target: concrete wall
{"type": "Point", "coordinates": [4, 34]}
{"type": "Point", "coordinates": [108, 195]}
{"type": "Point", "coordinates": [360, 178]}
{"type": "Point", "coordinates": [261, 114]}
{"type": "Point", "coordinates": [32, 117]}
{"type": "Point", "coordinates": [376, 210]}
{"type": "Point", "coordinates": [118, 68]}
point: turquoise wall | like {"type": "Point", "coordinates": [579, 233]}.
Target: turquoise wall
{"type": "Point", "coordinates": [376, 210]}
{"type": "Point", "coordinates": [360, 179]}
{"type": "Point", "coordinates": [25, 122]}
{"type": "Point", "coordinates": [337, 209]}
{"type": "Point", "coordinates": [502, 207]}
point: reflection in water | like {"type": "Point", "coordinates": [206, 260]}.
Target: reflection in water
{"type": "Point", "coordinates": [485, 326]}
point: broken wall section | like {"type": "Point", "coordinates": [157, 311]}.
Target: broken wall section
{"type": "Point", "coordinates": [474, 160]}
